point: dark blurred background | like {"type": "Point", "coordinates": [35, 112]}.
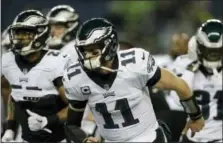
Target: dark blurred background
{"type": "Point", "coordinates": [147, 24]}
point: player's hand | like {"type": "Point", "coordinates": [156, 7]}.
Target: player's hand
{"type": "Point", "coordinates": [37, 122]}
{"type": "Point", "coordinates": [8, 136]}
{"type": "Point", "coordinates": [195, 126]}
{"type": "Point", "coordinates": [194, 66]}
{"type": "Point", "coordinates": [92, 140]}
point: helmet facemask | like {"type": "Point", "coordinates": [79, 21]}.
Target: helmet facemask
{"type": "Point", "coordinates": [28, 32]}
{"type": "Point", "coordinates": [25, 40]}
{"type": "Point", "coordinates": [94, 56]}
{"type": "Point", "coordinates": [99, 35]}
{"type": "Point", "coordinates": [210, 44]}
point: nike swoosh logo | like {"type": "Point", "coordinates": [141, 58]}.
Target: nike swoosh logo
{"type": "Point", "coordinates": [143, 56]}
{"type": "Point", "coordinates": [65, 56]}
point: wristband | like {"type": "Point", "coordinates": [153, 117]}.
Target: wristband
{"type": "Point", "coordinates": [11, 124]}
{"type": "Point", "coordinates": [191, 108]}
{"type": "Point", "coordinates": [53, 119]}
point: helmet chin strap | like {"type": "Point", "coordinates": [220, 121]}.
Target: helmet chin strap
{"type": "Point", "coordinates": [95, 63]}
{"type": "Point", "coordinates": [212, 65]}
{"type": "Point", "coordinates": [108, 69]}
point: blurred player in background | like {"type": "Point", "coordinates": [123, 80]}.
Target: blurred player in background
{"type": "Point", "coordinates": [5, 45]}
{"type": "Point", "coordinates": [37, 101]}
{"type": "Point", "coordinates": [5, 41]}
{"type": "Point", "coordinates": [163, 105]}
{"type": "Point", "coordinates": [179, 43]}
{"type": "Point", "coordinates": [203, 73]}
{"type": "Point", "coordinates": [113, 84]}
{"type": "Point", "coordinates": [64, 22]}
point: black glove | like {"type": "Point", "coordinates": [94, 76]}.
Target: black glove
{"type": "Point", "coordinates": [194, 66]}
{"type": "Point", "coordinates": [74, 134]}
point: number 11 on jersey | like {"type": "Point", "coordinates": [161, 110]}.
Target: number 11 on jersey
{"type": "Point", "coordinates": [123, 106]}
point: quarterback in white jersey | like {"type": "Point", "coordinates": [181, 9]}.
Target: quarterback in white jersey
{"type": "Point", "coordinates": [37, 101]}
{"type": "Point", "coordinates": [204, 76]}
{"type": "Point", "coordinates": [114, 84]}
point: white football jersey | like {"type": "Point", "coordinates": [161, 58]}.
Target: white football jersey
{"type": "Point", "coordinates": [88, 126]}
{"type": "Point", "coordinates": [123, 112]}
{"type": "Point", "coordinates": [38, 82]}
{"type": "Point", "coordinates": [177, 67]}
{"type": "Point", "coordinates": [69, 48]}
{"type": "Point", "coordinates": [209, 94]}
{"type": "Point", "coordinates": [163, 60]}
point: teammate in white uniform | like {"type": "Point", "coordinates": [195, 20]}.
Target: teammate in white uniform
{"type": "Point", "coordinates": [37, 100]}
{"type": "Point", "coordinates": [204, 76]}
{"type": "Point", "coordinates": [64, 22]}
{"type": "Point", "coordinates": [5, 44]}
{"type": "Point", "coordinates": [5, 41]}
{"type": "Point", "coordinates": [114, 84]}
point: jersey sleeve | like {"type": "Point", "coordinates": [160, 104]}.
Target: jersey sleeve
{"type": "Point", "coordinates": [149, 71]}
{"type": "Point", "coordinates": [2, 66]}
{"type": "Point", "coordinates": [180, 64]}
{"type": "Point", "coordinates": [5, 60]}
{"type": "Point", "coordinates": [71, 88]}
{"type": "Point", "coordinates": [64, 60]}
{"type": "Point", "coordinates": [70, 49]}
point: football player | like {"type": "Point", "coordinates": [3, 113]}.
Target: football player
{"type": "Point", "coordinates": [179, 44]}
{"type": "Point", "coordinates": [204, 76]}
{"type": "Point", "coordinates": [5, 41]}
{"type": "Point", "coordinates": [64, 22]}
{"type": "Point", "coordinates": [37, 100]}
{"type": "Point", "coordinates": [114, 85]}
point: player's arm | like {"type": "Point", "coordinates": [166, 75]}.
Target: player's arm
{"type": "Point", "coordinates": [77, 104]}
{"type": "Point", "coordinates": [5, 89]}
{"type": "Point", "coordinates": [10, 123]}
{"type": "Point", "coordinates": [62, 114]}
{"type": "Point", "coordinates": [56, 118]}
{"type": "Point", "coordinates": [170, 81]}
{"type": "Point", "coordinates": [74, 117]}
{"type": "Point", "coordinates": [163, 79]}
